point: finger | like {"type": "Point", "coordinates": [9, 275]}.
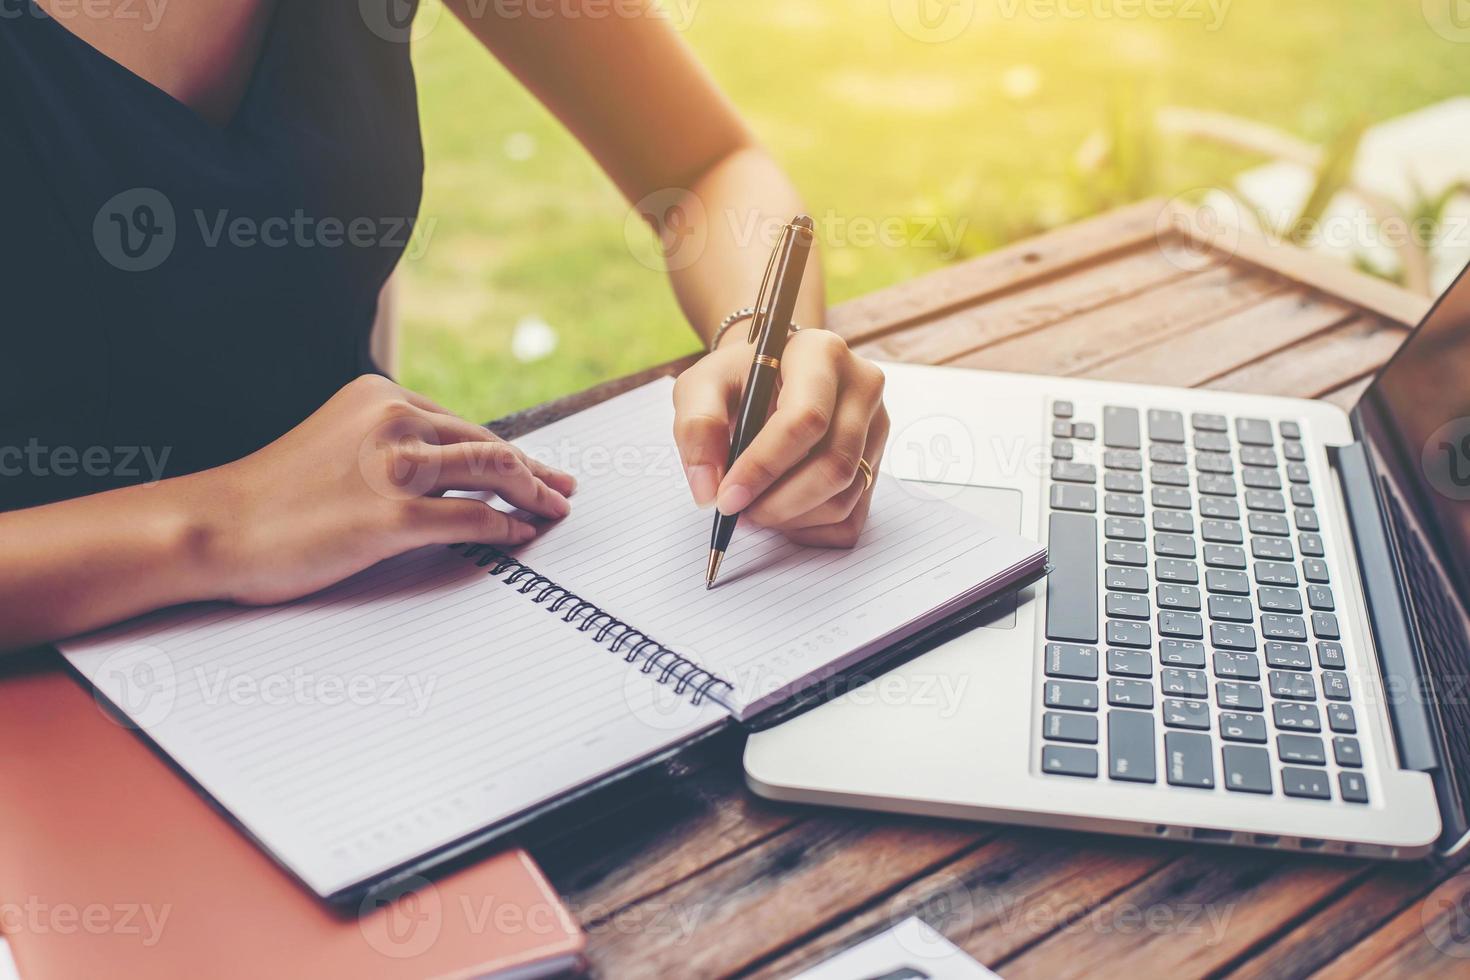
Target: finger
{"type": "Point", "coordinates": [702, 410]}
{"type": "Point", "coordinates": [449, 429]}
{"type": "Point", "coordinates": [804, 410]}
{"type": "Point", "coordinates": [451, 520]}
{"type": "Point", "coordinates": [831, 468]}
{"type": "Point", "coordinates": [844, 533]}
{"type": "Point", "coordinates": [496, 467]}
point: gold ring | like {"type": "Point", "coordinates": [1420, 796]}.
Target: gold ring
{"type": "Point", "coordinates": [866, 469]}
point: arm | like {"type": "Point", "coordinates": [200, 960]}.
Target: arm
{"type": "Point", "coordinates": [353, 484]}
{"type": "Point", "coordinates": [635, 96]}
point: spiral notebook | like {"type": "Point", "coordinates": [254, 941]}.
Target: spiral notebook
{"type": "Point", "coordinates": [442, 698]}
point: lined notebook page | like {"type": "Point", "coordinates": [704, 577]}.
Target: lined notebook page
{"type": "Point", "coordinates": [636, 545]}
{"type": "Point", "coordinates": [401, 710]}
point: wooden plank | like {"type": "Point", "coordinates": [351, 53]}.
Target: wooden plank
{"type": "Point", "coordinates": [983, 278]}
{"type": "Point", "coordinates": [1195, 916]}
{"type": "Point", "coordinates": [999, 898]}
{"type": "Point", "coordinates": [1077, 343]}
{"type": "Point", "coordinates": [1347, 396]}
{"type": "Point", "coordinates": [1201, 355]}
{"type": "Point", "coordinates": [1321, 363]}
{"type": "Point", "coordinates": [775, 894]}
{"type": "Point", "coordinates": [1431, 937]}
{"type": "Point", "coordinates": [1021, 311]}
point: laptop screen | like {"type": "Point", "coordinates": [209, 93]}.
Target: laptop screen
{"type": "Point", "coordinates": [1415, 423]}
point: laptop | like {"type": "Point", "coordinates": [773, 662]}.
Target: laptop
{"type": "Point", "coordinates": [1256, 630]}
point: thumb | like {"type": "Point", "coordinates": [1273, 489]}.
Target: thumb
{"type": "Point", "coordinates": [702, 400]}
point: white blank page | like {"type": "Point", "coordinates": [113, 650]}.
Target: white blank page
{"type": "Point", "coordinates": [394, 713]}
{"type": "Point", "coordinates": [780, 614]}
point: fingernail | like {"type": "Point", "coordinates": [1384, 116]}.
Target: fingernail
{"type": "Point", "coordinates": [560, 506]}
{"type": "Point", "coordinates": [704, 481]}
{"type": "Point", "coordinates": [524, 533]}
{"type": "Point", "coordinates": [735, 498]}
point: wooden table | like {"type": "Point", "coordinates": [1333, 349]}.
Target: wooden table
{"type": "Point", "coordinates": [684, 873]}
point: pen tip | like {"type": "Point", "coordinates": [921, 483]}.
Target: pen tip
{"type": "Point", "coordinates": [713, 568]}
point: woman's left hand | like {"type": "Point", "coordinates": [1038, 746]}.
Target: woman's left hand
{"type": "Point", "coordinates": [801, 473]}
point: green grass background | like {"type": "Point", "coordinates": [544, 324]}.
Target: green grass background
{"type": "Point", "coordinates": [879, 126]}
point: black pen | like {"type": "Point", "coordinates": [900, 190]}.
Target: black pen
{"type": "Point", "coordinates": [769, 329]}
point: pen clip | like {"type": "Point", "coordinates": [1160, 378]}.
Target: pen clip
{"type": "Point", "coordinates": [758, 321]}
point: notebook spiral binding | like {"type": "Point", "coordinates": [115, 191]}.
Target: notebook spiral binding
{"type": "Point", "coordinates": [620, 638]}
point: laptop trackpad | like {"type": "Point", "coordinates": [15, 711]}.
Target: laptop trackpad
{"type": "Point", "coordinates": [998, 506]}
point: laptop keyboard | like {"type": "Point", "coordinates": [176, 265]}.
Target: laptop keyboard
{"type": "Point", "coordinates": [1191, 625]}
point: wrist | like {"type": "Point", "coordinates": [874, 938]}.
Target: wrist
{"type": "Point", "coordinates": [198, 536]}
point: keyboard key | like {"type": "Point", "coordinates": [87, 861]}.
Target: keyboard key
{"type": "Point", "coordinates": [1258, 456]}
{"type": "Point", "coordinates": [1177, 597]}
{"type": "Point", "coordinates": [1267, 501]}
{"type": "Point", "coordinates": [1319, 597]}
{"type": "Point", "coordinates": [1302, 749]}
{"type": "Point", "coordinates": [1223, 532]}
{"type": "Point", "coordinates": [1070, 694]}
{"type": "Point", "coordinates": [1291, 685]}
{"type": "Point", "coordinates": [1165, 453]}
{"type": "Point", "coordinates": [1306, 783]}
{"type": "Point", "coordinates": [1126, 693]}
{"type": "Point", "coordinates": [1061, 429]}
{"type": "Point", "coordinates": [1260, 478]}
{"type": "Point", "coordinates": [1177, 682]}
{"type": "Point", "coordinates": [1193, 715]}
{"type": "Point", "coordinates": [1306, 520]}
{"type": "Point", "coordinates": [1064, 726]}
{"type": "Point", "coordinates": [1117, 481]}
{"type": "Point", "coordinates": [1214, 463]}
{"type": "Point", "coordinates": [1181, 625]}
{"type": "Point", "coordinates": [1165, 426]}
{"type": "Point", "coordinates": [1062, 450]}
{"type": "Point", "coordinates": [1172, 497]}
{"type": "Point", "coordinates": [1070, 497]}
{"type": "Point", "coordinates": [1071, 587]}
{"type": "Point", "coordinates": [1335, 686]}
{"type": "Point", "coordinates": [1293, 450]}
{"type": "Point", "coordinates": [1274, 525]}
{"type": "Point", "coordinates": [1065, 472]}
{"type": "Point", "coordinates": [1247, 769]}
{"type": "Point", "coordinates": [1239, 696]}
{"type": "Point", "coordinates": [1278, 627]}
{"type": "Point", "coordinates": [1289, 430]}
{"type": "Point", "coordinates": [1176, 570]}
{"type": "Point", "coordinates": [1123, 459]}
{"type": "Point", "coordinates": [1340, 717]}
{"type": "Point", "coordinates": [1129, 634]}
{"type": "Point", "coordinates": [1311, 545]}
{"type": "Point", "coordinates": [1315, 570]}
{"type": "Point", "coordinates": [1230, 636]}
{"type": "Point", "coordinates": [1253, 432]}
{"type": "Point", "coordinates": [1275, 573]}
{"type": "Point", "coordinates": [1212, 442]}
{"type": "Point", "coordinates": [1287, 656]}
{"type": "Point", "coordinates": [1061, 409]}
{"type": "Point", "coordinates": [1353, 786]}
{"type": "Point", "coordinates": [1069, 760]}
{"type": "Point", "coordinates": [1221, 580]}
{"type": "Point", "coordinates": [1187, 760]}
{"type": "Point", "coordinates": [1330, 655]}
{"type": "Point", "coordinates": [1124, 553]}
{"type": "Point", "coordinates": [1271, 549]}
{"type": "Point", "coordinates": [1131, 745]}
{"type": "Point", "coordinates": [1181, 653]}
{"type": "Point", "coordinates": [1296, 717]}
{"type": "Point", "coordinates": [1301, 496]}
{"type": "Point", "coordinates": [1214, 483]}
{"type": "Point", "coordinates": [1173, 521]}
{"type": "Point", "coordinates": [1174, 546]}
{"type": "Point", "coordinates": [1208, 422]}
{"type": "Point", "coordinates": [1123, 504]}
{"type": "Point", "coordinates": [1272, 599]}
{"type": "Point", "coordinates": [1168, 476]}
{"type": "Point", "coordinates": [1128, 606]}
{"type": "Point", "coordinates": [1236, 726]}
{"type": "Point", "coordinates": [1231, 609]}
{"type": "Point", "coordinates": [1347, 752]}
{"type": "Point", "coordinates": [1125, 529]}
{"type": "Point", "coordinates": [1120, 427]}
{"type": "Point", "coordinates": [1224, 556]}
{"type": "Point", "coordinates": [1237, 666]}
{"type": "Point", "coordinates": [1127, 579]}
{"type": "Point", "coordinates": [1296, 472]}
{"type": "Point", "coordinates": [1324, 626]}
{"type": "Point", "coordinates": [1130, 663]}
{"type": "Point", "coordinates": [1069, 660]}
{"type": "Point", "coordinates": [1084, 430]}
{"type": "Point", "coordinates": [1224, 508]}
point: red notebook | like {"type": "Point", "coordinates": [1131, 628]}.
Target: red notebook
{"type": "Point", "coordinates": [111, 865]}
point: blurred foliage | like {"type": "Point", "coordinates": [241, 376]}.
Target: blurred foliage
{"type": "Point", "coordinates": [980, 132]}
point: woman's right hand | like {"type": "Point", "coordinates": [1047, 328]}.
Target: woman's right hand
{"type": "Point", "coordinates": [358, 481]}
